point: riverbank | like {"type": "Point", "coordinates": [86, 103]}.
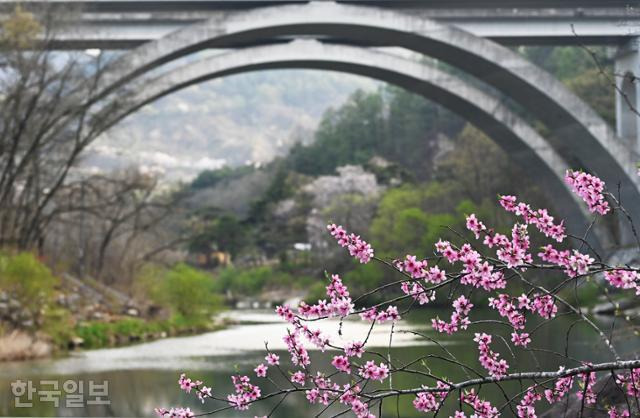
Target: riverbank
{"type": "Point", "coordinates": [19, 345]}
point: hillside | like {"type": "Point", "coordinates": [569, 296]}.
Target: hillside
{"type": "Point", "coordinates": [248, 117]}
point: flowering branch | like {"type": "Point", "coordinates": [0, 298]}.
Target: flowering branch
{"type": "Point", "coordinates": [500, 279]}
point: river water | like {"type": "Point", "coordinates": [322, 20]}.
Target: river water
{"type": "Point", "coordinates": [143, 376]}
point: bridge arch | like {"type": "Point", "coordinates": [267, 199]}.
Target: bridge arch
{"type": "Point", "coordinates": [486, 112]}
{"type": "Point", "coordinates": [577, 132]}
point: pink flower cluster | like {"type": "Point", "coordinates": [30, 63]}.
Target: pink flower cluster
{"type": "Point", "coordinates": [187, 384]}
{"type": "Point", "coordinates": [512, 252]}
{"type": "Point", "coordinates": [505, 304]}
{"type": "Point", "coordinates": [245, 393]}
{"type": "Point", "coordinates": [342, 364]}
{"type": "Point", "coordinates": [174, 412]}
{"type": "Point", "coordinates": [339, 304]}
{"type": "Point", "coordinates": [590, 188]}
{"type": "Point", "coordinates": [489, 359]}
{"type": "Point", "coordinates": [430, 401]}
{"type": "Point", "coordinates": [459, 318]}
{"type": "Point", "coordinates": [574, 264]}
{"type": "Point", "coordinates": [417, 292]}
{"type": "Point", "coordinates": [481, 409]}
{"type": "Point", "coordinates": [475, 226]}
{"type": "Point", "coordinates": [613, 413]}
{"type": "Point", "coordinates": [357, 247]}
{"type": "Point", "coordinates": [272, 359]}
{"type": "Point", "coordinates": [372, 314]}
{"type": "Point", "coordinates": [292, 339]}
{"type": "Point", "coordinates": [630, 381]}
{"type": "Point", "coordinates": [544, 306]}
{"type": "Point", "coordinates": [299, 377]}
{"type": "Point", "coordinates": [623, 279]}
{"type": "Point", "coordinates": [354, 349]}
{"type": "Point", "coordinates": [261, 370]}
{"type": "Point", "coordinates": [526, 409]}
{"type": "Point", "coordinates": [299, 354]}
{"type": "Point", "coordinates": [325, 391]}
{"type": "Point", "coordinates": [587, 393]}
{"type": "Point", "coordinates": [476, 272]}
{"type": "Point", "coordinates": [563, 385]}
{"type": "Point", "coordinates": [507, 308]}
{"type": "Point", "coordinates": [560, 388]}
{"type": "Point", "coordinates": [539, 218]}
{"type": "Point", "coordinates": [374, 372]}
{"type": "Point", "coordinates": [418, 269]}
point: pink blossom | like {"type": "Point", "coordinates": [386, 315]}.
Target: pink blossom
{"type": "Point", "coordinates": [426, 402]}
{"type": "Point", "coordinates": [475, 226]}
{"type": "Point", "coordinates": [508, 203]}
{"type": "Point", "coordinates": [447, 251]}
{"type": "Point", "coordinates": [299, 355]}
{"type": "Point", "coordinates": [459, 318]}
{"type": "Point", "coordinates": [186, 384]}
{"type": "Point", "coordinates": [174, 412]}
{"type": "Point", "coordinates": [204, 392]}
{"type": "Point", "coordinates": [298, 377]}
{"type": "Point", "coordinates": [354, 349]}
{"type": "Point", "coordinates": [631, 381]}
{"type": "Point", "coordinates": [430, 401]}
{"type": "Point", "coordinates": [285, 313]}
{"type": "Point", "coordinates": [623, 279]}
{"type": "Point", "coordinates": [272, 359]}
{"type": "Point", "coordinates": [590, 188]}
{"type": "Point", "coordinates": [507, 309]}
{"type": "Point", "coordinates": [489, 359]}
{"type": "Point", "coordinates": [371, 371]}
{"type": "Point", "coordinates": [340, 303]}
{"type": "Point", "coordinates": [435, 275]}
{"type": "Point", "coordinates": [521, 340]}
{"type": "Point", "coordinates": [417, 292]}
{"type": "Point", "coordinates": [481, 408]}
{"type": "Point", "coordinates": [261, 370]}
{"type": "Point", "coordinates": [415, 268]}
{"type": "Point", "coordinates": [560, 388]}
{"type": "Point", "coordinates": [371, 315]}
{"type": "Point", "coordinates": [589, 380]}
{"type": "Point", "coordinates": [526, 408]}
{"type": "Point", "coordinates": [341, 363]}
{"type": "Point", "coordinates": [539, 218]}
{"type": "Point", "coordinates": [545, 306]}
{"type": "Point", "coordinates": [357, 247]}
{"type": "Point", "coordinates": [245, 393]}
{"type": "Point", "coordinates": [613, 413]}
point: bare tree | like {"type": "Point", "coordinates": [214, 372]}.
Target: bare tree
{"type": "Point", "coordinates": [44, 122]}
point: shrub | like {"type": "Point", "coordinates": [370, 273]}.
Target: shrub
{"type": "Point", "coordinates": [24, 278]}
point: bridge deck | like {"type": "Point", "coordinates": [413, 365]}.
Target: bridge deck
{"type": "Point", "coordinates": [129, 23]}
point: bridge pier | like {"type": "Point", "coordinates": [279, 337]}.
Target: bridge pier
{"type": "Point", "coordinates": [627, 71]}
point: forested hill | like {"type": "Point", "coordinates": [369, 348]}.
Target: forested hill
{"type": "Point", "coordinates": [247, 117]}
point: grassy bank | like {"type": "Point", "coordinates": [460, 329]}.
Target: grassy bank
{"type": "Point", "coordinates": [99, 334]}
{"type": "Point", "coordinates": [41, 315]}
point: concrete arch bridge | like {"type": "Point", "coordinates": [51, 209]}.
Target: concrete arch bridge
{"type": "Point", "coordinates": [577, 137]}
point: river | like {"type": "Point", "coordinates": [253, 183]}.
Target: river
{"type": "Point", "coordinates": [143, 376]}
